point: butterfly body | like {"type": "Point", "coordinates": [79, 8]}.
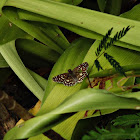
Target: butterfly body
{"type": "Point", "coordinates": [74, 76]}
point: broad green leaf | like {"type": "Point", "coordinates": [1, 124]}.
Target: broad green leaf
{"type": "Point", "coordinates": [8, 31]}
{"type": "Point", "coordinates": [131, 95]}
{"type": "Point", "coordinates": [83, 99]}
{"type": "Point", "coordinates": [110, 6]}
{"type": "Point", "coordinates": [113, 7]}
{"type": "Point", "coordinates": [122, 55]}
{"type": "Point", "coordinates": [133, 13]}
{"type": "Point", "coordinates": [1, 5]}
{"type": "Point", "coordinates": [50, 120]}
{"type": "Point", "coordinates": [26, 15]}
{"type": "Point", "coordinates": [30, 48]}
{"type": "Point", "coordinates": [39, 137]}
{"type": "Point", "coordinates": [59, 92]}
{"type": "Point", "coordinates": [64, 89]}
{"type": "Point", "coordinates": [82, 31]}
{"type": "Point", "coordinates": [86, 99]}
{"type": "Point", "coordinates": [32, 29]}
{"type": "Point", "coordinates": [3, 63]}
{"type": "Point", "coordinates": [102, 4]}
{"type": "Point", "coordinates": [9, 53]}
{"type": "Point", "coordinates": [75, 2]}
{"type": "Point", "coordinates": [54, 33]}
{"type": "Point", "coordinates": [40, 80]}
{"type": "Point", "coordinates": [71, 58]}
{"type": "Point", "coordinates": [87, 124]}
{"type": "Point", "coordinates": [90, 20]}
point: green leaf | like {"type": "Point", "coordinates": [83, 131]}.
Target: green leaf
{"type": "Point", "coordinates": [54, 33]}
{"type": "Point", "coordinates": [8, 31]}
{"type": "Point", "coordinates": [3, 63]}
{"type": "Point", "coordinates": [102, 4]}
{"type": "Point", "coordinates": [71, 58]}
{"type": "Point", "coordinates": [29, 48]}
{"type": "Point", "coordinates": [133, 13]}
{"type": "Point", "coordinates": [9, 53]}
{"type": "Point", "coordinates": [82, 100]}
{"type": "Point", "coordinates": [86, 124]}
{"type": "Point", "coordinates": [40, 80]}
{"type": "Point", "coordinates": [110, 6]}
{"type": "Point", "coordinates": [75, 2]}
{"type": "Point", "coordinates": [102, 99]}
{"type": "Point", "coordinates": [60, 92]}
{"type": "Point", "coordinates": [26, 15]}
{"type": "Point", "coordinates": [113, 7]}
{"type": "Point", "coordinates": [39, 137]}
{"type": "Point", "coordinates": [32, 29]}
{"type": "Point", "coordinates": [89, 21]}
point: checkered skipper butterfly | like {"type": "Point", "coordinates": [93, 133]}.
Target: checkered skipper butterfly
{"type": "Point", "coordinates": [74, 76]}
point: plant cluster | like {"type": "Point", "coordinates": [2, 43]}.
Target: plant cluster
{"type": "Point", "coordinates": [50, 38]}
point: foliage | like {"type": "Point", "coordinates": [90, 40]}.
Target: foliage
{"type": "Point", "coordinates": [31, 36]}
{"type": "Point", "coordinates": [98, 66]}
{"type": "Point", "coordinates": [103, 42]}
{"type": "Point", "coordinates": [106, 44]}
{"type": "Point", "coordinates": [127, 132]}
{"type": "Point", "coordinates": [114, 63]}
{"type": "Point", "coordinates": [114, 133]}
{"type": "Point", "coordinates": [126, 120]}
{"type": "Point", "coordinates": [117, 36]}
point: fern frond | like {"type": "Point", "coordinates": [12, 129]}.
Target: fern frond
{"type": "Point", "coordinates": [103, 42]}
{"type": "Point", "coordinates": [126, 120]}
{"type": "Point", "coordinates": [114, 133]}
{"type": "Point", "coordinates": [106, 44]}
{"type": "Point", "coordinates": [117, 36]}
{"type": "Point", "coordinates": [97, 64]}
{"type": "Point", "coordinates": [114, 63]}
{"type": "Point", "coordinates": [92, 135]}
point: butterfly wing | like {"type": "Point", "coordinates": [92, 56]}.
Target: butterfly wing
{"type": "Point", "coordinates": [76, 76]}
{"type": "Point", "coordinates": [69, 81]}
{"type": "Point", "coordinates": [80, 76]}
{"type": "Point", "coordinates": [64, 78]}
{"type": "Point", "coordinates": [81, 72]}
{"type": "Point", "coordinates": [82, 67]}
{"type": "Point", "coordinates": [60, 78]}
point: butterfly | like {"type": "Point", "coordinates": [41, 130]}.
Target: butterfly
{"type": "Point", "coordinates": [74, 76]}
